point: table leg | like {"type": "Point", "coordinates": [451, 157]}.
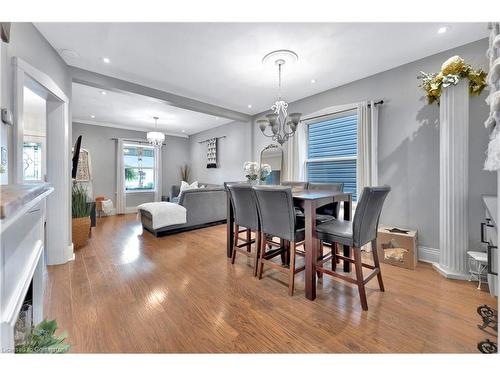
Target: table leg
{"type": "Point", "coordinates": [229, 227]}
{"type": "Point", "coordinates": [310, 248]}
{"type": "Point", "coordinates": [347, 216]}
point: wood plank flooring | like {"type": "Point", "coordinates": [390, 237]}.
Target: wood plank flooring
{"type": "Point", "coordinates": [129, 292]}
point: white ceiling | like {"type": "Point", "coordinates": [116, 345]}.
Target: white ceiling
{"type": "Point", "coordinates": [220, 63]}
{"type": "Point", "coordinates": [136, 112]}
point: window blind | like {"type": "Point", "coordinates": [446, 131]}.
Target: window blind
{"type": "Point", "coordinates": [332, 151]}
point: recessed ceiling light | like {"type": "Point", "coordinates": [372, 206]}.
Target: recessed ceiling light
{"type": "Point", "coordinates": [216, 118]}
{"type": "Point", "coordinates": [103, 92]}
{"type": "Point", "coordinates": [313, 80]}
{"type": "Point", "coordinates": [249, 106]}
{"type": "Point", "coordinates": [442, 29]}
{"type": "Point", "coordinates": [106, 60]}
{"type": "Point", "coordinates": [183, 131]}
{"type": "Point", "coordinates": [92, 116]}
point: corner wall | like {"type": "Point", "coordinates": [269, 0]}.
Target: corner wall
{"type": "Point", "coordinates": [232, 151]}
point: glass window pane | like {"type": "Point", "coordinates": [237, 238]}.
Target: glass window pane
{"type": "Point", "coordinates": [32, 161]}
{"type": "Point", "coordinates": [139, 163]}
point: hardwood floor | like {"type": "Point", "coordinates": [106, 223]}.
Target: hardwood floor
{"type": "Point", "coordinates": [131, 292]}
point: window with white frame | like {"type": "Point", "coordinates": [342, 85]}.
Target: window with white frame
{"type": "Point", "coordinates": [139, 167]}
{"type": "Point", "coordinates": [332, 150]}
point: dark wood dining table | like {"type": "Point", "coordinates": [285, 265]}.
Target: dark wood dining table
{"type": "Point", "coordinates": [310, 201]}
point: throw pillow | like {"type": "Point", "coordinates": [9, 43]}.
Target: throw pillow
{"type": "Point", "coordinates": [186, 186]}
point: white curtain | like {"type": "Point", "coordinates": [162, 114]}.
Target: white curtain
{"type": "Point", "coordinates": [120, 178]}
{"type": "Point", "coordinates": [367, 170]}
{"type": "Point", "coordinates": [296, 151]}
{"type": "Point", "coordinates": [158, 174]}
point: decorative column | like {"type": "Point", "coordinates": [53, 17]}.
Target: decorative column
{"type": "Point", "coordinates": [453, 181]}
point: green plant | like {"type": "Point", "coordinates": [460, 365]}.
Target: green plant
{"type": "Point", "coordinates": [79, 205]}
{"type": "Point", "coordinates": [130, 174]}
{"type": "Point", "coordinates": [43, 340]}
{"type": "Point", "coordinates": [185, 173]}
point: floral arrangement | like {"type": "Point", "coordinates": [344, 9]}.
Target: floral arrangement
{"type": "Point", "coordinates": [254, 172]}
{"type": "Point", "coordinates": [451, 72]}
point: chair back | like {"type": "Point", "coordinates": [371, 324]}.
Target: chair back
{"type": "Point", "coordinates": [335, 186]}
{"type": "Point", "coordinates": [276, 211]}
{"type": "Point", "coordinates": [299, 184]}
{"type": "Point", "coordinates": [244, 205]}
{"type": "Point", "coordinates": [366, 217]}
{"type": "Point", "coordinates": [331, 208]}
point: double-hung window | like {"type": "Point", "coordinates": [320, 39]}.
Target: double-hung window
{"type": "Point", "coordinates": [332, 150]}
{"type": "Point", "coordinates": [139, 167]}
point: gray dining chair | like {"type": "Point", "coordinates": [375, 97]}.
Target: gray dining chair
{"type": "Point", "coordinates": [331, 209]}
{"type": "Point", "coordinates": [245, 216]}
{"type": "Point", "coordinates": [277, 219]}
{"type": "Point", "coordinates": [356, 233]}
{"type": "Point", "coordinates": [295, 184]}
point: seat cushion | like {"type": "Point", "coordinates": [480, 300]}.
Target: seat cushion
{"type": "Point", "coordinates": [339, 231]}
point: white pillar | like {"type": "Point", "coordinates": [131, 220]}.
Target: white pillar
{"type": "Point", "coordinates": [453, 181]}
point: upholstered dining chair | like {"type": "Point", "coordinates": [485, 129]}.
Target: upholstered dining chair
{"type": "Point", "coordinates": [245, 216]}
{"type": "Point", "coordinates": [277, 219]}
{"type": "Point", "coordinates": [356, 233]}
{"type": "Point", "coordinates": [331, 209]}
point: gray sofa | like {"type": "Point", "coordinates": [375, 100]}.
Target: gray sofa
{"type": "Point", "coordinates": [204, 207]}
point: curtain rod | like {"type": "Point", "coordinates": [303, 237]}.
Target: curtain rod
{"type": "Point", "coordinates": [140, 141]}
{"type": "Point", "coordinates": [380, 102]}
{"type": "Point", "coordinates": [206, 140]}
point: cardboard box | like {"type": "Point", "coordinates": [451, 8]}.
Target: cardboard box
{"type": "Point", "coordinates": [397, 246]}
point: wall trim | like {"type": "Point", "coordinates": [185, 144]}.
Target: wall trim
{"type": "Point", "coordinates": [428, 254]}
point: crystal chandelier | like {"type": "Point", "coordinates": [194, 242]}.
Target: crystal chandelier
{"type": "Point", "coordinates": [156, 138]}
{"type": "Point", "coordinates": [282, 125]}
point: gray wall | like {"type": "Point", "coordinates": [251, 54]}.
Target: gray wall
{"type": "Point", "coordinates": [28, 44]}
{"type": "Point", "coordinates": [97, 139]}
{"type": "Point", "coordinates": [409, 142]}
{"type": "Point", "coordinates": [233, 151]}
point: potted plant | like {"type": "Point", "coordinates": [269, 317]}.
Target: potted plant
{"type": "Point", "coordinates": [80, 212]}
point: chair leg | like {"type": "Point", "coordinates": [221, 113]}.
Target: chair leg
{"type": "Point", "coordinates": [283, 254]}
{"type": "Point", "coordinates": [320, 256]}
{"type": "Point", "coordinates": [235, 243]}
{"type": "Point", "coordinates": [257, 252]}
{"type": "Point", "coordinates": [359, 277]}
{"type": "Point", "coordinates": [291, 274]}
{"type": "Point", "coordinates": [377, 265]}
{"type": "Point", "coordinates": [261, 255]}
{"type": "Point", "coordinates": [334, 256]}
{"type": "Point", "coordinates": [249, 237]}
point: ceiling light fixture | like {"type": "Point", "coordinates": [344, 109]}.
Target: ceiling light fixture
{"type": "Point", "coordinates": [92, 116]}
{"type": "Point", "coordinates": [249, 106]}
{"type": "Point", "coordinates": [106, 60]}
{"type": "Point", "coordinates": [282, 125]}
{"type": "Point", "coordinates": [103, 92]}
{"type": "Point", "coordinates": [156, 138]}
{"type": "Point", "coordinates": [442, 29]}
{"type": "Point", "coordinates": [313, 80]}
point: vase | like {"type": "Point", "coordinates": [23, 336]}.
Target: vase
{"type": "Point", "coordinates": [80, 231]}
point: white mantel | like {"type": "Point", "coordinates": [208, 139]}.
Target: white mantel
{"type": "Point", "coordinates": [21, 262]}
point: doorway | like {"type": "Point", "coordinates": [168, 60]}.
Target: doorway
{"type": "Point", "coordinates": [42, 151]}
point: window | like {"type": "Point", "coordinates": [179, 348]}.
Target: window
{"type": "Point", "coordinates": [332, 150]}
{"type": "Point", "coordinates": [139, 165]}
{"type": "Point", "coordinates": [32, 161]}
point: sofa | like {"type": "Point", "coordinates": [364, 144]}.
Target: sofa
{"type": "Point", "coordinates": [204, 207]}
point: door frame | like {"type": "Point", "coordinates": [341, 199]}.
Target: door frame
{"type": "Point", "coordinates": [58, 247]}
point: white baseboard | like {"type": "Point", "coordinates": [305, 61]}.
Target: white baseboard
{"type": "Point", "coordinates": [450, 275]}
{"type": "Point", "coordinates": [428, 254]}
{"type": "Point", "coordinates": [131, 210]}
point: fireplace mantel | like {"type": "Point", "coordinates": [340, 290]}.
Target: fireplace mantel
{"type": "Point", "coordinates": [22, 230]}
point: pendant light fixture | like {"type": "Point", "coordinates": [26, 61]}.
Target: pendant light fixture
{"type": "Point", "coordinates": [156, 138]}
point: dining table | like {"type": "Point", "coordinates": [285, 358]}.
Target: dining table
{"type": "Point", "coordinates": [309, 201]}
